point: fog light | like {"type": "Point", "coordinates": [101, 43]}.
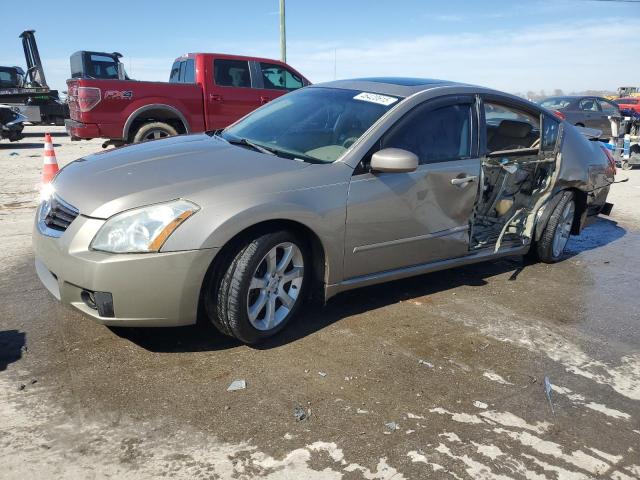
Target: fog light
{"type": "Point", "coordinates": [100, 301]}
{"type": "Point", "coordinates": [88, 299]}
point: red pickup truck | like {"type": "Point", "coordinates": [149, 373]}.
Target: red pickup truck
{"type": "Point", "coordinates": [206, 91]}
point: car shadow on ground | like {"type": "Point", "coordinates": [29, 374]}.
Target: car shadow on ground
{"type": "Point", "coordinates": [11, 346]}
{"type": "Point", "coordinates": [23, 145]}
{"type": "Point", "coordinates": [602, 232]}
{"type": "Point", "coordinates": [204, 337]}
{"type": "Point", "coordinates": [26, 133]}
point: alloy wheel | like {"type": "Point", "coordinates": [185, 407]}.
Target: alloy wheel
{"type": "Point", "coordinates": [563, 230]}
{"type": "Point", "coordinates": [275, 286]}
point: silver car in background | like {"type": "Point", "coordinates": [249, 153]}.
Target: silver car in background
{"type": "Point", "coordinates": [329, 188]}
{"type": "Point", "coordinates": [585, 111]}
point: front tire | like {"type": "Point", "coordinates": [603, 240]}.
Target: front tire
{"type": "Point", "coordinates": [558, 230]}
{"type": "Point", "coordinates": [261, 289]}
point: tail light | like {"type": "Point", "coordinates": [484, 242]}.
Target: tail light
{"type": "Point", "coordinates": [88, 98]}
{"type": "Point", "coordinates": [612, 161]}
{"type": "Point", "coordinates": [559, 114]}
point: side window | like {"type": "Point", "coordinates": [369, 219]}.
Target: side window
{"type": "Point", "coordinates": [589, 105]}
{"type": "Point", "coordinates": [231, 73]}
{"type": "Point", "coordinates": [550, 130]}
{"type": "Point", "coordinates": [608, 108]}
{"type": "Point", "coordinates": [174, 76]}
{"type": "Point", "coordinates": [433, 134]}
{"type": "Point", "coordinates": [189, 71]}
{"type": "Point", "coordinates": [509, 128]}
{"type": "Point", "coordinates": [277, 77]}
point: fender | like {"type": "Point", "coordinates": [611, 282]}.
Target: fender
{"type": "Point", "coordinates": [154, 106]}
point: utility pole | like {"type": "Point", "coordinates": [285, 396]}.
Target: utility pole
{"type": "Point", "coordinates": [283, 33]}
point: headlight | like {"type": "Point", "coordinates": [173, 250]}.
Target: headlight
{"type": "Point", "coordinates": [142, 229]}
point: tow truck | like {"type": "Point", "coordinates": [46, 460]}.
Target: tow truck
{"type": "Point", "coordinates": [27, 93]}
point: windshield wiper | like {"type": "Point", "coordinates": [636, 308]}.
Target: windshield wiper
{"type": "Point", "coordinates": [249, 143]}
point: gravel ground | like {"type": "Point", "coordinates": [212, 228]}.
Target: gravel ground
{"type": "Point", "coordinates": [439, 376]}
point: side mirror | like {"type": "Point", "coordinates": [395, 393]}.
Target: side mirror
{"type": "Point", "coordinates": [121, 74]}
{"type": "Point", "coordinates": [394, 160]}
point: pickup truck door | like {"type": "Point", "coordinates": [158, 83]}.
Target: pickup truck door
{"type": "Point", "coordinates": [230, 95]}
{"type": "Point", "coordinates": [397, 220]}
{"type": "Point", "coordinates": [273, 80]}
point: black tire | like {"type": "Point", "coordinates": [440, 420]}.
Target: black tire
{"type": "Point", "coordinates": [626, 165]}
{"type": "Point", "coordinates": [227, 299]}
{"type": "Point", "coordinates": [558, 224]}
{"type": "Point", "coordinates": [154, 131]}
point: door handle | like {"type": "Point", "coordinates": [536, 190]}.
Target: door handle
{"type": "Point", "coordinates": [214, 97]}
{"type": "Point", "coordinates": [264, 100]}
{"type": "Point", "coordinates": [464, 180]}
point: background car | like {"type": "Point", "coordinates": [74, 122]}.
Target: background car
{"type": "Point", "coordinates": [628, 103]}
{"type": "Point", "coordinates": [325, 189]}
{"type": "Point", "coordinates": [584, 111]}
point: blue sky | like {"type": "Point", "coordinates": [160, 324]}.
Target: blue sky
{"type": "Point", "coordinates": [510, 45]}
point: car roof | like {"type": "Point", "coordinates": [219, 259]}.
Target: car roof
{"type": "Point", "coordinates": [398, 86]}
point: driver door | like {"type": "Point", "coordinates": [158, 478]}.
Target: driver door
{"type": "Point", "coordinates": [397, 220]}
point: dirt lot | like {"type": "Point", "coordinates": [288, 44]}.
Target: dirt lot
{"type": "Point", "coordinates": [440, 376]}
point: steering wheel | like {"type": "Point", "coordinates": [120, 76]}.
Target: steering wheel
{"type": "Point", "coordinates": [349, 141]}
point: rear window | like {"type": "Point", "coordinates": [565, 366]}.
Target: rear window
{"type": "Point", "coordinates": [555, 103]}
{"type": "Point", "coordinates": [232, 73]}
{"type": "Point", "coordinates": [183, 71]}
{"type": "Point", "coordinates": [8, 78]}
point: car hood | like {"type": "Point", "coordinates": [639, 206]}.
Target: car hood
{"type": "Point", "coordinates": [194, 167]}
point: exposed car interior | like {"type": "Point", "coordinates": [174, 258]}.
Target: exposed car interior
{"type": "Point", "coordinates": [516, 172]}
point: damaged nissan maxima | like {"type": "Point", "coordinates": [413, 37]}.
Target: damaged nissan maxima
{"type": "Point", "coordinates": [328, 188]}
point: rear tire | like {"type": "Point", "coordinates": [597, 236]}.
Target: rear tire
{"type": "Point", "coordinates": [557, 231]}
{"type": "Point", "coordinates": [261, 289]}
{"type": "Point", "coordinates": [154, 131]}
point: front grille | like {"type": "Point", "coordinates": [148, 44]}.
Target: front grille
{"type": "Point", "coordinates": [60, 214]}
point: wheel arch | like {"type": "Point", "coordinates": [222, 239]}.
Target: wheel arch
{"type": "Point", "coordinates": [580, 199]}
{"type": "Point", "coordinates": [155, 111]}
{"type": "Point", "coordinates": [317, 253]}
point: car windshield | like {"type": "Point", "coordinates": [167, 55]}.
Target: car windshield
{"type": "Point", "coordinates": [315, 124]}
{"type": "Point", "coordinates": [555, 103]}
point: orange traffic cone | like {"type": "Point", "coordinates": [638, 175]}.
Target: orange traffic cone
{"type": "Point", "coordinates": [50, 164]}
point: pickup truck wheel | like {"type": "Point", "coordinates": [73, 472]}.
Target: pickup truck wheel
{"type": "Point", "coordinates": [556, 234]}
{"type": "Point", "coordinates": [153, 131]}
{"type": "Point", "coordinates": [261, 289]}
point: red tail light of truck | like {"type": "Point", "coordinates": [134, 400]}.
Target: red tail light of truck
{"type": "Point", "coordinates": [88, 98]}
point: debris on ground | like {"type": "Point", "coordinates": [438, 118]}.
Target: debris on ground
{"type": "Point", "coordinates": [299, 414]}
{"type": "Point", "coordinates": [14, 154]}
{"type": "Point", "coordinates": [392, 426]}
{"type": "Point", "coordinates": [306, 370]}
{"type": "Point", "coordinates": [322, 374]}
{"type": "Point", "coordinates": [361, 411]}
{"type": "Point", "coordinates": [21, 387]}
{"type": "Point", "coordinates": [547, 391]}
{"type": "Point", "coordinates": [425, 363]}
{"type": "Point", "coordinates": [237, 385]}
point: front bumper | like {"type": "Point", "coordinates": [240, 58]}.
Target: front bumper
{"type": "Point", "coordinates": [147, 290]}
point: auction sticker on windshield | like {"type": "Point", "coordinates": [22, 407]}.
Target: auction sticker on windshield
{"type": "Point", "coordinates": [376, 98]}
